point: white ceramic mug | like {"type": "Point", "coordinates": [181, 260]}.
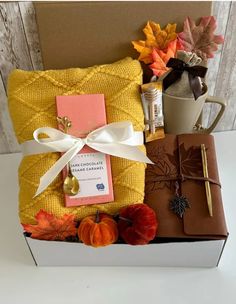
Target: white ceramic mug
{"type": "Point", "coordinates": [182, 114]}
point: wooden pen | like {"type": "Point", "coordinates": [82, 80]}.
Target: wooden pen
{"type": "Point", "coordinates": [205, 174]}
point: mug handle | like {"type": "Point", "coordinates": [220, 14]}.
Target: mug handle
{"type": "Point", "coordinates": [222, 103]}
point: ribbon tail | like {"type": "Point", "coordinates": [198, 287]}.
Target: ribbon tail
{"type": "Point", "coordinates": [195, 85]}
{"type": "Point", "coordinates": [52, 173]}
{"type": "Point", "coordinates": [121, 150]}
{"type": "Point", "coordinates": [31, 147]}
{"type": "Point", "coordinates": [171, 77]}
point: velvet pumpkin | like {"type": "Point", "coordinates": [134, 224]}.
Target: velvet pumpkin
{"type": "Point", "coordinates": [98, 230]}
{"type": "Point", "coordinates": [137, 224]}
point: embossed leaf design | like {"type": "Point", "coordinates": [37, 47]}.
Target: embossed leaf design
{"type": "Point", "coordinates": [154, 172]}
{"type": "Point", "coordinates": [153, 184]}
{"type": "Point", "coordinates": [173, 158]}
{"type": "Point", "coordinates": [167, 165]}
{"type": "Point", "coordinates": [191, 163]}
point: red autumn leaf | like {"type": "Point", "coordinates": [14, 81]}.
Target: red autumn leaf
{"type": "Point", "coordinates": [52, 228]}
{"type": "Point", "coordinates": [200, 39]}
{"type": "Point", "coordinates": [161, 57]}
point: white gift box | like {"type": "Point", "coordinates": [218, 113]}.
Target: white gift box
{"type": "Point", "coordinates": [204, 253]}
{"type": "Point", "coordinates": [184, 253]}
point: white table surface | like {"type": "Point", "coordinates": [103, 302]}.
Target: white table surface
{"type": "Point", "coordinates": [22, 282]}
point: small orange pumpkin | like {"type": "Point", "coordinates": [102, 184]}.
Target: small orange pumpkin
{"type": "Point", "coordinates": [98, 230]}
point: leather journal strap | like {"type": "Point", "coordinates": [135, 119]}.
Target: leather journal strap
{"type": "Point", "coordinates": [183, 177]}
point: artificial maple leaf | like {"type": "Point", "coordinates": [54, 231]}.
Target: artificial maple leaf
{"type": "Point", "coordinates": [200, 39]}
{"type": "Point", "coordinates": [144, 50]}
{"type": "Point", "coordinates": [160, 58]}
{"type": "Point", "coordinates": [155, 38]}
{"type": "Point", "coordinates": [52, 228]}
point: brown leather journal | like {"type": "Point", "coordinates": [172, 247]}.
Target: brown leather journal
{"type": "Point", "coordinates": [178, 163]}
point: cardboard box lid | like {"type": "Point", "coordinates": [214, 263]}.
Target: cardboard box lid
{"type": "Point", "coordinates": [81, 34]}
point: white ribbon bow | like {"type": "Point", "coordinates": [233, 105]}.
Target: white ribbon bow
{"type": "Point", "coordinates": [117, 139]}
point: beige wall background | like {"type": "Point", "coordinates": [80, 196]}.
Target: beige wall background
{"type": "Point", "coordinates": [19, 48]}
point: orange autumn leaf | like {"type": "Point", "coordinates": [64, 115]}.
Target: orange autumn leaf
{"type": "Point", "coordinates": [52, 228]}
{"type": "Point", "coordinates": [145, 51]}
{"type": "Point", "coordinates": [160, 58]}
{"type": "Point", "coordinates": [155, 38]}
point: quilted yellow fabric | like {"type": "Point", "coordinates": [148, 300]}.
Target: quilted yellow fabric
{"type": "Point", "coordinates": [31, 97]}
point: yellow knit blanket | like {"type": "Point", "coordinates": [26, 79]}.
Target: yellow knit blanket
{"type": "Point", "coordinates": [32, 105]}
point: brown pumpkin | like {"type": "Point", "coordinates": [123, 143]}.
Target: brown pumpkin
{"type": "Point", "coordinates": [98, 230]}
